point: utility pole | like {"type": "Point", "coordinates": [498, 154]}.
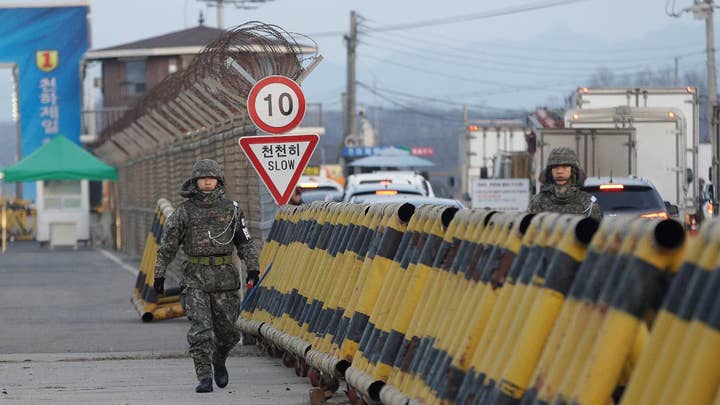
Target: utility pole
{"type": "Point", "coordinates": [465, 150]}
{"type": "Point", "coordinates": [704, 9]}
{"type": "Point", "coordinates": [351, 104]}
{"type": "Point", "coordinates": [240, 4]}
{"type": "Point", "coordinates": [712, 98]}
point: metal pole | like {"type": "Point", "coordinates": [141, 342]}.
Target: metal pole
{"type": "Point", "coordinates": [677, 71]}
{"type": "Point", "coordinates": [465, 150]}
{"type": "Point", "coordinates": [351, 85]}
{"type": "Point", "coordinates": [3, 221]}
{"type": "Point", "coordinates": [18, 134]}
{"type": "Point", "coordinates": [220, 13]}
{"type": "Point", "coordinates": [712, 97]}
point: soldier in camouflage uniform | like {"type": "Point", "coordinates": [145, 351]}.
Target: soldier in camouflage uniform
{"type": "Point", "coordinates": [207, 225]}
{"type": "Point", "coordinates": [560, 191]}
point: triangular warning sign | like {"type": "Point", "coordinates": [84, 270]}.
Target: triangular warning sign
{"type": "Point", "coordinates": [279, 160]}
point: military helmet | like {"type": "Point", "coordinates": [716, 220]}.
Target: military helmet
{"type": "Point", "coordinates": [563, 157]}
{"type": "Point", "coordinates": [208, 168]}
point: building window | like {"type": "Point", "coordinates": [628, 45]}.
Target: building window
{"type": "Point", "coordinates": [172, 65]}
{"type": "Point", "coordinates": [135, 78]}
{"type": "Point", "coordinates": [62, 194]}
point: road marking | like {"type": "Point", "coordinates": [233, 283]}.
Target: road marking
{"type": "Point", "coordinates": [117, 260]}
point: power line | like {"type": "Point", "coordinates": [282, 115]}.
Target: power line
{"type": "Point", "coordinates": [471, 79]}
{"type": "Point", "coordinates": [374, 89]}
{"type": "Point", "coordinates": [475, 52]}
{"type": "Point", "coordinates": [504, 66]}
{"type": "Point", "coordinates": [434, 73]}
{"type": "Point", "coordinates": [462, 18]}
{"type": "Point", "coordinates": [408, 108]}
{"type": "Point", "coordinates": [477, 16]}
{"type": "Point", "coordinates": [525, 49]}
{"type": "Point", "coordinates": [327, 34]}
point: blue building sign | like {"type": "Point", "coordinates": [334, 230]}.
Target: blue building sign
{"type": "Point", "coordinates": [362, 151]}
{"type": "Point", "coordinates": [47, 44]}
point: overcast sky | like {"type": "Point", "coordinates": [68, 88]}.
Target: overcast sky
{"type": "Point", "coordinates": [514, 61]}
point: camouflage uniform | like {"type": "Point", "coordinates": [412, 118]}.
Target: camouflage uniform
{"type": "Point", "coordinates": [567, 199]}
{"type": "Point", "coordinates": [207, 225]}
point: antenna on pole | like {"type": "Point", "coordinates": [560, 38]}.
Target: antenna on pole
{"type": "Point", "coordinates": [239, 4]}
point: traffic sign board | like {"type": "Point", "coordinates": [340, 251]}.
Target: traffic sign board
{"type": "Point", "coordinates": [279, 160]}
{"type": "Point", "coordinates": [276, 104]}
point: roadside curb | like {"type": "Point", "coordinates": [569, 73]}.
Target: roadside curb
{"type": "Point", "coordinates": [239, 351]}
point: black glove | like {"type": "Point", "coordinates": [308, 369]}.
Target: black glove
{"type": "Point", "coordinates": [159, 285]}
{"type": "Point", "coordinates": [253, 276]}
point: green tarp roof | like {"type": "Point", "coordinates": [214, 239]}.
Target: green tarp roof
{"type": "Point", "coordinates": [59, 159]}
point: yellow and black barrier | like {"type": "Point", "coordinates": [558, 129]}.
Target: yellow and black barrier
{"type": "Point", "coordinates": [675, 348]}
{"type": "Point", "coordinates": [149, 304]}
{"type": "Point", "coordinates": [432, 245]}
{"type": "Point", "coordinates": [434, 305]}
{"type": "Point", "coordinates": [20, 219]}
{"type": "Point", "coordinates": [498, 336]}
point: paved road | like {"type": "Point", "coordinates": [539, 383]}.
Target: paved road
{"type": "Point", "coordinates": [143, 378]}
{"type": "Point", "coordinates": [67, 301]}
{"type": "Point", "coordinates": [70, 335]}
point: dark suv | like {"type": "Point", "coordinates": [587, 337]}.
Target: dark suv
{"type": "Point", "coordinates": [628, 196]}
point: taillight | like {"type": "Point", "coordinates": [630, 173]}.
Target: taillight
{"type": "Point", "coordinates": [611, 187]}
{"type": "Point", "coordinates": [661, 215]}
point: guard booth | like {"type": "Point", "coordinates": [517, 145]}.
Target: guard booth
{"type": "Point", "coordinates": [63, 212]}
{"type": "Point", "coordinates": [62, 171]}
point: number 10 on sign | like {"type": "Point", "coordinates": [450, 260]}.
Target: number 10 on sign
{"type": "Point", "coordinates": [276, 104]}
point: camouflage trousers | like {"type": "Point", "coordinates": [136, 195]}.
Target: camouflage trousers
{"type": "Point", "coordinates": [213, 332]}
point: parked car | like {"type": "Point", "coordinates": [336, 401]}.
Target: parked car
{"type": "Point", "coordinates": [412, 199]}
{"type": "Point", "coordinates": [628, 196]}
{"type": "Point", "coordinates": [387, 189]}
{"type": "Point", "coordinates": [392, 177]}
{"type": "Point", "coordinates": [315, 188]}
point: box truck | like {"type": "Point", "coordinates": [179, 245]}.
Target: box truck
{"type": "Point", "coordinates": [636, 141]}
{"type": "Point", "coordinates": [491, 149]}
{"type": "Point", "coordinates": [682, 99]}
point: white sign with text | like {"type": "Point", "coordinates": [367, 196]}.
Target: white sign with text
{"type": "Point", "coordinates": [501, 194]}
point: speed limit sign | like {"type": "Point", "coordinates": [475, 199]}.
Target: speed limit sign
{"type": "Point", "coordinates": [276, 104]}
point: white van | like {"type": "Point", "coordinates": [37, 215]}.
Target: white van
{"type": "Point", "coordinates": [390, 177]}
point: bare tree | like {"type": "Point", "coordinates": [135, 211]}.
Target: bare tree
{"type": "Point", "coordinates": [603, 77]}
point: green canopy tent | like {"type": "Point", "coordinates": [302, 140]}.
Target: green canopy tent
{"type": "Point", "coordinates": [59, 159]}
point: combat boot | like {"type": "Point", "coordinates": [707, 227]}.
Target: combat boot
{"type": "Point", "coordinates": [221, 374]}
{"type": "Point", "coordinates": [205, 385]}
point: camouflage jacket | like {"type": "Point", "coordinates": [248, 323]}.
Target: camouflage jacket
{"type": "Point", "coordinates": [207, 225]}
{"type": "Point", "coordinates": [565, 200]}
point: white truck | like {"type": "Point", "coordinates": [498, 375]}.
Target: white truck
{"type": "Point", "coordinates": [683, 103]}
{"type": "Point", "coordinates": [637, 141]}
{"type": "Point", "coordinates": [486, 147]}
